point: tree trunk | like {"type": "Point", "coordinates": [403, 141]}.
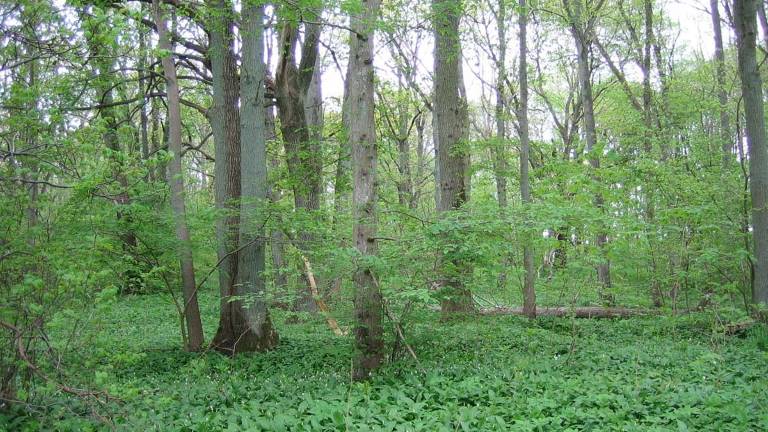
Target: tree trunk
{"type": "Point", "coordinates": [529, 290]}
{"type": "Point", "coordinates": [176, 181]}
{"type": "Point", "coordinates": [581, 29]}
{"type": "Point", "coordinates": [752, 92]}
{"type": "Point", "coordinates": [225, 123]}
{"type": "Point", "coordinates": [250, 315]}
{"type": "Point", "coordinates": [292, 85]}
{"type": "Point", "coordinates": [722, 96]}
{"type": "Point", "coordinates": [277, 238]}
{"type": "Point", "coordinates": [450, 118]}
{"type": "Point", "coordinates": [499, 149]}
{"type": "Point", "coordinates": [104, 85]}
{"type": "Point", "coordinates": [144, 77]}
{"type": "Point", "coordinates": [362, 138]}
{"type": "Point", "coordinates": [763, 22]}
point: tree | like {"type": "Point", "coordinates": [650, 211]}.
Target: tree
{"type": "Point", "coordinates": [752, 91]}
{"type": "Point", "coordinates": [362, 138]}
{"type": "Point", "coordinates": [529, 292]}
{"type": "Point", "coordinates": [244, 323]}
{"type": "Point", "coordinates": [726, 143]}
{"type": "Point", "coordinates": [449, 124]}
{"type": "Point", "coordinates": [293, 88]}
{"type": "Point", "coordinates": [251, 313]}
{"type": "Point", "coordinates": [176, 181]}
{"type": "Point", "coordinates": [582, 28]}
{"type": "Point", "coordinates": [105, 83]}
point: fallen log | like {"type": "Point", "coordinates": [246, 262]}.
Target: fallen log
{"type": "Point", "coordinates": [334, 326]}
{"type": "Point", "coordinates": [576, 312]}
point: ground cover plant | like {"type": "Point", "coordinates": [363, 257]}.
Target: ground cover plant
{"type": "Point", "coordinates": [488, 373]}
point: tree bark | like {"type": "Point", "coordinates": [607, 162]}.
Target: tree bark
{"type": "Point", "coordinates": [251, 316]}
{"type": "Point", "coordinates": [726, 143]}
{"type": "Point", "coordinates": [450, 118]}
{"type": "Point", "coordinates": [277, 238]}
{"type": "Point", "coordinates": [499, 149]}
{"type": "Point", "coordinates": [225, 123]}
{"type": "Point", "coordinates": [144, 77]}
{"type": "Point", "coordinates": [529, 290]}
{"type": "Point", "coordinates": [176, 182]}
{"type": "Point", "coordinates": [292, 85]}
{"type": "Point", "coordinates": [581, 29]}
{"type": "Point", "coordinates": [752, 92]}
{"type": "Point", "coordinates": [362, 137]}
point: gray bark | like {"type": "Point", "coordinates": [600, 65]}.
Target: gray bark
{"type": "Point", "coordinates": [450, 119]}
{"type": "Point", "coordinates": [499, 149]}
{"type": "Point", "coordinates": [752, 92]}
{"type": "Point", "coordinates": [529, 290]}
{"type": "Point", "coordinates": [292, 86]}
{"type": "Point", "coordinates": [362, 138]}
{"type": "Point", "coordinates": [251, 316]}
{"type": "Point", "coordinates": [581, 29]}
{"type": "Point", "coordinates": [726, 143]}
{"type": "Point", "coordinates": [176, 182]}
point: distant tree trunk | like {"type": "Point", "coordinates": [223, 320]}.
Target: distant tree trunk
{"type": "Point", "coordinates": [499, 149]}
{"type": "Point", "coordinates": [582, 29]}
{"type": "Point", "coordinates": [144, 77]}
{"type": "Point", "coordinates": [450, 119]}
{"type": "Point", "coordinates": [292, 86]}
{"type": "Point", "coordinates": [154, 135]}
{"type": "Point", "coordinates": [752, 91]}
{"type": "Point", "coordinates": [405, 179]}
{"type": "Point", "coordinates": [104, 85]}
{"type": "Point", "coordinates": [362, 138]}
{"type": "Point", "coordinates": [763, 22]}
{"type": "Point", "coordinates": [529, 290]}
{"type": "Point", "coordinates": [277, 244]}
{"type": "Point", "coordinates": [722, 95]}
{"type": "Point", "coordinates": [176, 182]}
{"type": "Point", "coordinates": [646, 68]}
{"type": "Point", "coordinates": [420, 156]}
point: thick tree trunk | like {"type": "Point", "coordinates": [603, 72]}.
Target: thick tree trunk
{"type": "Point", "coordinates": [176, 182]}
{"type": "Point", "coordinates": [450, 118]}
{"type": "Point", "coordinates": [529, 290]}
{"type": "Point", "coordinates": [292, 85]}
{"type": "Point", "coordinates": [362, 138]}
{"type": "Point", "coordinates": [251, 316]}
{"type": "Point", "coordinates": [224, 116]}
{"type": "Point", "coordinates": [752, 92]}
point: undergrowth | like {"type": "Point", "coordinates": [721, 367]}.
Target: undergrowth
{"type": "Point", "coordinates": [485, 373]}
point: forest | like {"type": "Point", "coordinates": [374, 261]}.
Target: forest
{"type": "Point", "coordinates": [383, 215]}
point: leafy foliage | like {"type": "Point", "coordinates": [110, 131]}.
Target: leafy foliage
{"type": "Point", "coordinates": [492, 373]}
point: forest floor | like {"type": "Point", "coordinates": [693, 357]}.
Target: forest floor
{"type": "Point", "coordinates": [485, 373]}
